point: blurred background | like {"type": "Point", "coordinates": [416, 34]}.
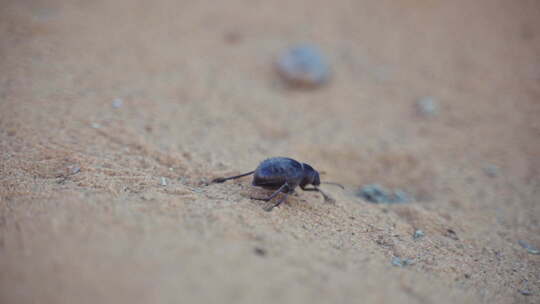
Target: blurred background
{"type": "Point", "coordinates": [115, 115]}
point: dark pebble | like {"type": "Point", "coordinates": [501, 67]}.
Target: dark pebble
{"type": "Point", "coordinates": [452, 234]}
{"type": "Point", "coordinates": [259, 251]}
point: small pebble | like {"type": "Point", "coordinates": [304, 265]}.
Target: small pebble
{"type": "Point", "coordinates": [398, 262]}
{"type": "Point", "coordinates": [117, 103]}
{"type": "Point", "coordinates": [375, 193]}
{"type": "Point", "coordinates": [427, 106]}
{"type": "Point", "coordinates": [163, 181]}
{"type": "Point", "coordinates": [95, 125]}
{"type": "Point", "coordinates": [530, 248]}
{"type": "Point", "coordinates": [74, 169]}
{"type": "Point", "coordinates": [418, 234]}
{"type": "Point", "coordinates": [452, 234]}
{"type": "Point", "coordinates": [259, 251]}
{"type": "Point", "coordinates": [525, 292]}
{"type": "Point", "coordinates": [491, 170]}
{"type": "Point", "coordinates": [303, 65]}
{"type": "Point", "coordinates": [233, 37]}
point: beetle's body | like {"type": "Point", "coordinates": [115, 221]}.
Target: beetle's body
{"type": "Point", "coordinates": [283, 175]}
{"type": "Point", "coordinates": [274, 172]}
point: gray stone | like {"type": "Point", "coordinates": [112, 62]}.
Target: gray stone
{"type": "Point", "coordinates": [399, 262]}
{"type": "Point", "coordinates": [303, 65]}
{"type": "Point", "coordinates": [376, 193]}
{"type": "Point", "coordinates": [418, 234]}
{"type": "Point", "coordinates": [117, 103]}
{"type": "Point", "coordinates": [428, 106]}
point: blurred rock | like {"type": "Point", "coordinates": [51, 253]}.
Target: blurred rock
{"type": "Point", "coordinates": [525, 292]}
{"type": "Point", "coordinates": [530, 248]}
{"type": "Point", "coordinates": [427, 106]}
{"type": "Point", "coordinates": [491, 170]}
{"type": "Point", "coordinates": [303, 65]}
{"type": "Point", "coordinates": [418, 234]}
{"type": "Point", "coordinates": [375, 193]}
{"type": "Point", "coordinates": [399, 262]}
{"type": "Point", "coordinates": [117, 103]}
{"type": "Point", "coordinates": [259, 251]}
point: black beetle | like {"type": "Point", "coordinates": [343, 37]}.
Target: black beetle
{"type": "Point", "coordinates": [282, 174]}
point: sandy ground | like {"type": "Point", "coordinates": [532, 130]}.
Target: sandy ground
{"type": "Point", "coordinates": [105, 204]}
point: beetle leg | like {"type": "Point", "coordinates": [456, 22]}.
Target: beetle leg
{"type": "Point", "coordinates": [326, 197]}
{"type": "Point", "coordinates": [269, 208]}
{"type": "Point", "coordinates": [281, 189]}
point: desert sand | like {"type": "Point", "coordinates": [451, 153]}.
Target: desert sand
{"type": "Point", "coordinates": [115, 115]}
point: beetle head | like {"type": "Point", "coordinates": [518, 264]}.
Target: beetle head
{"type": "Point", "coordinates": [311, 176]}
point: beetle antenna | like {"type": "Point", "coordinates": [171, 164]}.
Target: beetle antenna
{"type": "Point", "coordinates": [335, 184]}
{"type": "Point", "coordinates": [223, 179]}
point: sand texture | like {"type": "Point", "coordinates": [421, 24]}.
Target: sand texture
{"type": "Point", "coordinates": [115, 115]}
